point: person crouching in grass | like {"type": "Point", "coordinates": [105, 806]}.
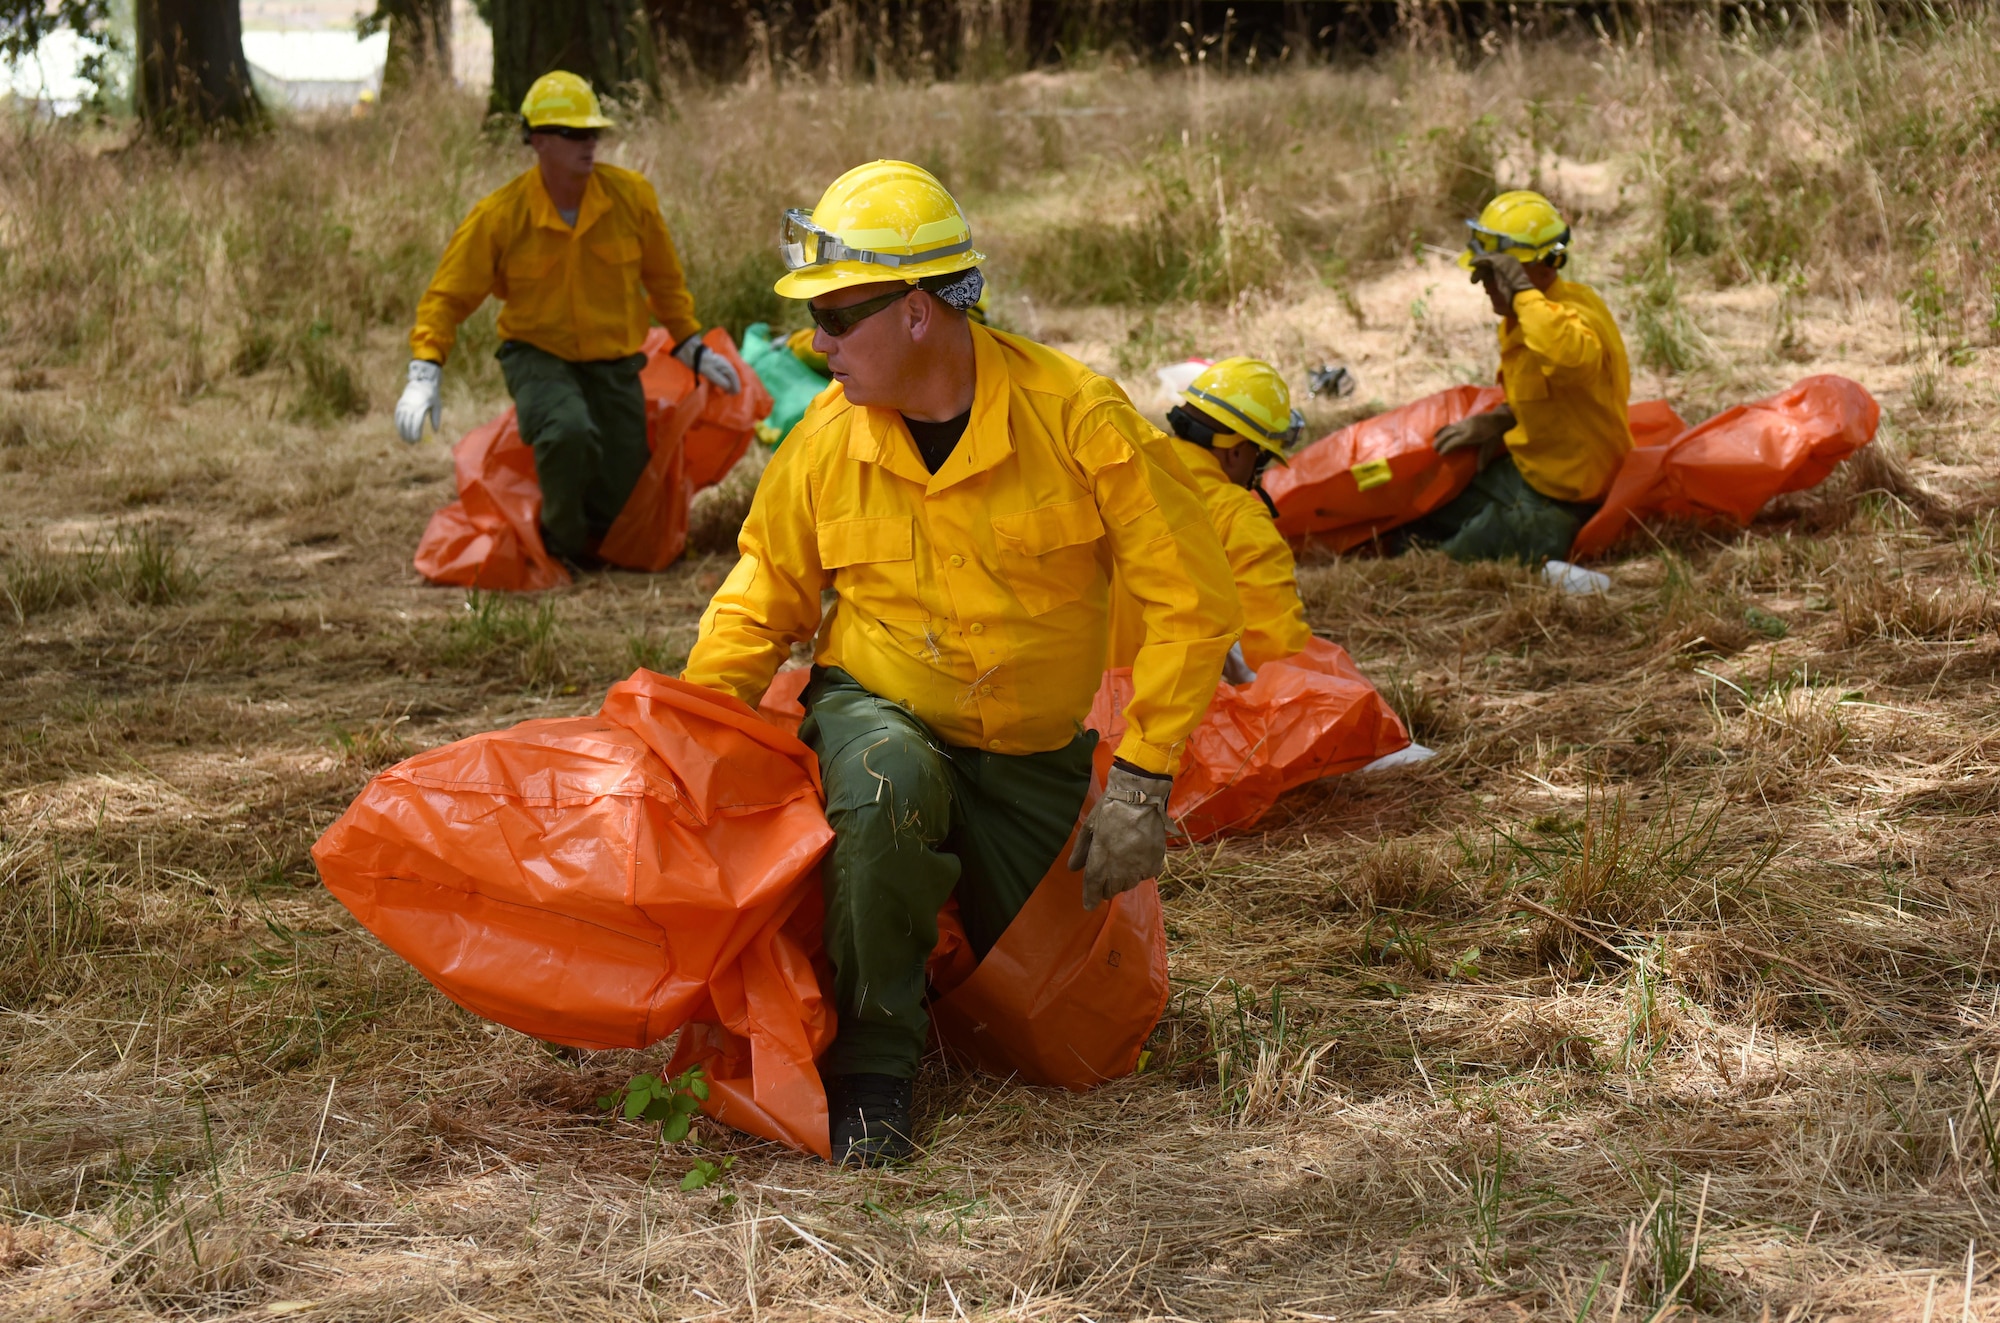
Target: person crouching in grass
{"type": "Point", "coordinates": [966, 495]}
{"type": "Point", "coordinates": [1549, 454]}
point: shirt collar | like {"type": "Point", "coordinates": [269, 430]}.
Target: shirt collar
{"type": "Point", "coordinates": [542, 208]}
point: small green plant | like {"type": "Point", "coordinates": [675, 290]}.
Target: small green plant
{"type": "Point", "coordinates": [499, 627]}
{"type": "Point", "coordinates": [146, 569]}
{"type": "Point", "coordinates": [1789, 336]}
{"type": "Point", "coordinates": [705, 1173]}
{"type": "Point", "coordinates": [1676, 1248]}
{"type": "Point", "coordinates": [1770, 626]}
{"type": "Point", "coordinates": [1488, 1185]}
{"type": "Point", "coordinates": [141, 566]}
{"type": "Point", "coordinates": [1981, 543]}
{"type": "Point", "coordinates": [671, 1103]}
{"type": "Point", "coordinates": [1645, 1021]}
{"type": "Point", "coordinates": [650, 653]}
{"type": "Point", "coordinates": [373, 745]}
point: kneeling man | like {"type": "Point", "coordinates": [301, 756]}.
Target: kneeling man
{"type": "Point", "coordinates": [966, 496]}
{"type": "Point", "coordinates": [1549, 454]}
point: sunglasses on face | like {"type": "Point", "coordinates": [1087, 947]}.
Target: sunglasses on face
{"type": "Point", "coordinates": [573, 135]}
{"type": "Point", "coordinates": [837, 322]}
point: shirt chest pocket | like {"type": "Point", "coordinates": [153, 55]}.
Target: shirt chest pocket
{"type": "Point", "coordinates": [873, 563]}
{"type": "Point", "coordinates": [528, 263]}
{"type": "Point", "coordinates": [1048, 555]}
{"type": "Point", "coordinates": [620, 251]}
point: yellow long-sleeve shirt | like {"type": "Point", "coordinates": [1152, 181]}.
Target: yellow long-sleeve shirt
{"type": "Point", "coordinates": [585, 293]}
{"type": "Point", "coordinates": [976, 596]}
{"type": "Point", "coordinates": [1260, 561]}
{"type": "Point", "coordinates": [1563, 365]}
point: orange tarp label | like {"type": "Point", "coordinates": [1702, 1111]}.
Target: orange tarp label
{"type": "Point", "coordinates": [1370, 474]}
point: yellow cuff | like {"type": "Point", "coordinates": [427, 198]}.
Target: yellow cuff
{"type": "Point", "coordinates": [1149, 757]}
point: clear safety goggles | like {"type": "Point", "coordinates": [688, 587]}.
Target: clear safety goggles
{"type": "Point", "coordinates": [803, 244]}
{"type": "Point", "coordinates": [1251, 427]}
{"type": "Point", "coordinates": [1484, 242]}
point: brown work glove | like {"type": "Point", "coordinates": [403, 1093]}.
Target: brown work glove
{"type": "Point", "coordinates": [1124, 840]}
{"type": "Point", "coordinates": [1482, 430]}
{"type": "Point", "coordinates": [1502, 271]}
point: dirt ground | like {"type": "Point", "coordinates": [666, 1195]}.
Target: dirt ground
{"type": "Point", "coordinates": [1661, 988]}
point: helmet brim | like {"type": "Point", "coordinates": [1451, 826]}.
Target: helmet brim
{"type": "Point", "coordinates": [572, 122]}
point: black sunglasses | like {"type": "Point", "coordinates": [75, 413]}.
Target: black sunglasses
{"type": "Point", "coordinates": [564, 131]}
{"type": "Point", "coordinates": [837, 322]}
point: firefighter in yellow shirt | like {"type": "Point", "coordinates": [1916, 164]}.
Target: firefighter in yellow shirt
{"type": "Point", "coordinates": [581, 257]}
{"type": "Point", "coordinates": [1234, 420]}
{"type": "Point", "coordinates": [966, 496]}
{"type": "Point", "coordinates": [1547, 456]}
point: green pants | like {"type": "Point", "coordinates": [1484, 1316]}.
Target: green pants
{"type": "Point", "coordinates": [1500, 517]}
{"type": "Point", "coordinates": [586, 423]}
{"type": "Point", "coordinates": [916, 820]}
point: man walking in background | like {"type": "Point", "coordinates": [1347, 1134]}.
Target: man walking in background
{"type": "Point", "coordinates": [1547, 456]}
{"type": "Point", "coordinates": [966, 495]}
{"type": "Point", "coordinates": [580, 256]}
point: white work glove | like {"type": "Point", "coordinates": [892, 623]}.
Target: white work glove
{"type": "Point", "coordinates": [713, 367]}
{"type": "Point", "coordinates": [1124, 840]}
{"type": "Point", "coordinates": [1235, 670]}
{"type": "Point", "coordinates": [423, 396]}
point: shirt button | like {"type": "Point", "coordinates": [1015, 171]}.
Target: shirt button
{"type": "Point", "coordinates": [957, 561]}
{"type": "Point", "coordinates": [978, 628]}
{"type": "Point", "coordinates": [994, 745]}
{"type": "Point", "coordinates": [986, 691]}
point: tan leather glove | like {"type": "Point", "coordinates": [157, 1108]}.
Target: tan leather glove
{"type": "Point", "coordinates": [1124, 840]}
{"type": "Point", "coordinates": [1480, 430]}
{"type": "Point", "coordinates": [1503, 272]}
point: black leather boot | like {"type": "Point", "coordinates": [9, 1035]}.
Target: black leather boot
{"type": "Point", "coordinates": [869, 1120]}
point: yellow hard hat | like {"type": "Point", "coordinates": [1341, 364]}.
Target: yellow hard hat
{"type": "Point", "coordinates": [562, 101]}
{"type": "Point", "coordinates": [887, 220]}
{"type": "Point", "coordinates": [1249, 400]}
{"type": "Point", "coordinates": [1522, 223]}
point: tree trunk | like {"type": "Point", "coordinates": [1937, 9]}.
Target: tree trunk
{"type": "Point", "coordinates": [419, 42]}
{"type": "Point", "coordinates": [191, 75]}
{"type": "Point", "coordinates": [610, 42]}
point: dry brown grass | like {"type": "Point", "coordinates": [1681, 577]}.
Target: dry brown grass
{"type": "Point", "coordinates": [1687, 924]}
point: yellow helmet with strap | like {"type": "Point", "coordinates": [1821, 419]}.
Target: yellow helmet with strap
{"type": "Point", "coordinates": [562, 100]}
{"type": "Point", "coordinates": [1247, 400]}
{"type": "Point", "coordinates": [1523, 224]}
{"type": "Point", "coordinates": [887, 220]}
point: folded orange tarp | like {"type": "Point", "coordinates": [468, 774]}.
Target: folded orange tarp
{"type": "Point", "coordinates": [1382, 472]}
{"type": "Point", "coordinates": [1303, 718]}
{"type": "Point", "coordinates": [490, 537]}
{"type": "Point", "coordinates": [602, 881]}
{"type": "Point", "coordinates": [1730, 466]}
{"type": "Point", "coordinates": [605, 881]}
{"type": "Point", "coordinates": [1373, 475]}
